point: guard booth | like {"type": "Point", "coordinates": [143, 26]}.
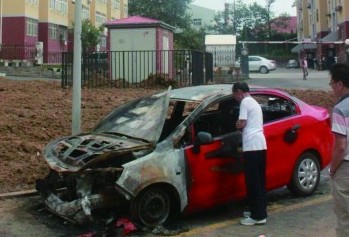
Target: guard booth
{"type": "Point", "coordinates": [222, 48]}
{"type": "Point", "coordinates": [140, 47]}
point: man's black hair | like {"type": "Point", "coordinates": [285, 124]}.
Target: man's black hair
{"type": "Point", "coordinates": [240, 85]}
{"type": "Point", "coordinates": [340, 72]}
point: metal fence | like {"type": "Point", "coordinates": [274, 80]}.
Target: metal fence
{"type": "Point", "coordinates": [124, 69]}
{"type": "Point", "coordinates": [19, 53]}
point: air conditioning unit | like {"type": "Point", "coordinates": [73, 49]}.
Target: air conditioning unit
{"type": "Point", "coordinates": [338, 8]}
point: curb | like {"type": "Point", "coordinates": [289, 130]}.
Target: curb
{"type": "Point", "coordinates": [30, 192]}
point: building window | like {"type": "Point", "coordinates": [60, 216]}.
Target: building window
{"type": "Point", "coordinates": [63, 34]}
{"type": "Point", "coordinates": [32, 27]}
{"type": "Point", "coordinates": [102, 2]}
{"type": "Point", "coordinates": [116, 4]}
{"type": "Point", "coordinates": [33, 1]}
{"type": "Point", "coordinates": [53, 31]}
{"type": "Point", "coordinates": [125, 9]}
{"type": "Point", "coordinates": [100, 18]}
{"type": "Point", "coordinates": [197, 22]}
{"type": "Point", "coordinates": [60, 6]}
{"type": "Point", "coordinates": [103, 42]}
{"type": "Point", "coordinates": [85, 13]}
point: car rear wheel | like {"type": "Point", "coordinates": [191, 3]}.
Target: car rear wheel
{"type": "Point", "coordinates": [152, 207]}
{"type": "Point", "coordinates": [263, 69]}
{"type": "Point", "coordinates": [306, 175]}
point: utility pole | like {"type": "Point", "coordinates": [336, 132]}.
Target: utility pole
{"type": "Point", "coordinates": [76, 107]}
{"type": "Point", "coordinates": [1, 24]}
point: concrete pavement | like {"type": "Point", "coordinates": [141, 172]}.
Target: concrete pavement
{"type": "Point", "coordinates": [310, 216]}
{"type": "Point", "coordinates": [313, 218]}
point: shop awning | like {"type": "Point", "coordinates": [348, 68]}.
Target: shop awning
{"type": "Point", "coordinates": [332, 36]}
{"type": "Point", "coordinates": [299, 47]}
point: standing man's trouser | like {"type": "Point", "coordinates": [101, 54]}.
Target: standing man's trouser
{"type": "Point", "coordinates": [255, 175]}
{"type": "Point", "coordinates": [340, 192]}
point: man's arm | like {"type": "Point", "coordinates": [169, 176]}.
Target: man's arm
{"type": "Point", "coordinates": [340, 146]}
{"type": "Point", "coordinates": [240, 124]}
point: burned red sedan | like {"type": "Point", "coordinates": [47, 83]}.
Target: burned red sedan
{"type": "Point", "coordinates": [179, 152]}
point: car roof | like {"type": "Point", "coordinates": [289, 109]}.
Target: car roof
{"type": "Point", "coordinates": [199, 93]}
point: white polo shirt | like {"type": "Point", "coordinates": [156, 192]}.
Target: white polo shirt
{"type": "Point", "coordinates": [253, 138]}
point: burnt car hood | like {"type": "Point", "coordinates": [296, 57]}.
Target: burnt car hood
{"type": "Point", "coordinates": [132, 127]}
{"type": "Point", "coordinates": [74, 153]}
{"type": "Point", "coordinates": [143, 118]}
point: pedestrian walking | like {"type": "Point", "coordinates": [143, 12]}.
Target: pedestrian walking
{"type": "Point", "coordinates": [304, 66]}
{"type": "Point", "coordinates": [254, 154]}
{"type": "Point", "coordinates": [339, 166]}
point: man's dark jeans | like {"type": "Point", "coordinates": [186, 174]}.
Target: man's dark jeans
{"type": "Point", "coordinates": [255, 175]}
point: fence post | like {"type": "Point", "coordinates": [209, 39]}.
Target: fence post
{"type": "Point", "coordinates": [197, 68]}
{"type": "Point", "coordinates": [63, 70]}
{"type": "Point", "coordinates": [208, 67]}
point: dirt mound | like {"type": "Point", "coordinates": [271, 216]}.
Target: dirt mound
{"type": "Point", "coordinates": [34, 112]}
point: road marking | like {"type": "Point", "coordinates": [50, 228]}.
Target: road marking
{"type": "Point", "coordinates": [271, 211]}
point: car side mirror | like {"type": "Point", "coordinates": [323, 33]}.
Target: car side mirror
{"type": "Point", "coordinates": [202, 138]}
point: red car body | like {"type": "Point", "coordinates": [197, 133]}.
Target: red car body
{"type": "Point", "coordinates": [211, 181]}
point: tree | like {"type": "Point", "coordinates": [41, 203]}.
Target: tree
{"type": "Point", "coordinates": [191, 39]}
{"type": "Point", "coordinates": [268, 7]}
{"type": "Point", "coordinates": [250, 23]}
{"type": "Point", "coordinates": [90, 36]}
{"type": "Point", "coordinates": [172, 12]}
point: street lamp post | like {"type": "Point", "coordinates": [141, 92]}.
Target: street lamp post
{"type": "Point", "coordinates": [244, 63]}
{"type": "Point", "coordinates": [1, 23]}
{"type": "Point", "coordinates": [76, 106]}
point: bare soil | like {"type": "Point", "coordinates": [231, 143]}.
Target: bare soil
{"type": "Point", "coordinates": [34, 112]}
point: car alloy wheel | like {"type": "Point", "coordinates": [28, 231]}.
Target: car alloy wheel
{"type": "Point", "coordinates": [263, 69]}
{"type": "Point", "coordinates": [152, 207]}
{"type": "Point", "coordinates": [306, 175]}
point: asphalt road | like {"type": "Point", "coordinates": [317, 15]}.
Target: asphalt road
{"type": "Point", "coordinates": [291, 78]}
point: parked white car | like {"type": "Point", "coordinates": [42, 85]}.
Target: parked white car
{"type": "Point", "coordinates": [259, 64]}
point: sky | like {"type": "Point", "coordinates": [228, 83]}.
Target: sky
{"type": "Point", "coordinates": [280, 6]}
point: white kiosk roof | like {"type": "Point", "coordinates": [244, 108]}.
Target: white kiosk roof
{"type": "Point", "coordinates": [220, 40]}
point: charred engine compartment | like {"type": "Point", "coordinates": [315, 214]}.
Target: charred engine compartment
{"type": "Point", "coordinates": [76, 196]}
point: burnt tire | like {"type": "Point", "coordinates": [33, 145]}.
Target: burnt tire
{"type": "Point", "coordinates": [305, 176]}
{"type": "Point", "coordinates": [152, 207]}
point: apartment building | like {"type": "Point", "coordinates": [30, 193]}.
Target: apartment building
{"type": "Point", "coordinates": [323, 26]}
{"type": "Point", "coordinates": [43, 25]}
{"type": "Point", "coordinates": [201, 16]}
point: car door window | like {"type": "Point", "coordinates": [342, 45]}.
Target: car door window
{"type": "Point", "coordinates": [218, 118]}
{"type": "Point", "coordinates": [274, 107]}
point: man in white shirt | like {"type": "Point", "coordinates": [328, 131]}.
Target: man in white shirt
{"type": "Point", "coordinates": [304, 65]}
{"type": "Point", "coordinates": [254, 154]}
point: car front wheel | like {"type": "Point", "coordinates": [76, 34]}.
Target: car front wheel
{"type": "Point", "coordinates": [306, 175]}
{"type": "Point", "coordinates": [152, 207]}
{"type": "Point", "coordinates": [263, 69]}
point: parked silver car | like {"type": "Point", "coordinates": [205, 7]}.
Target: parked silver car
{"type": "Point", "coordinates": [259, 64]}
{"type": "Point", "coordinates": [292, 63]}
